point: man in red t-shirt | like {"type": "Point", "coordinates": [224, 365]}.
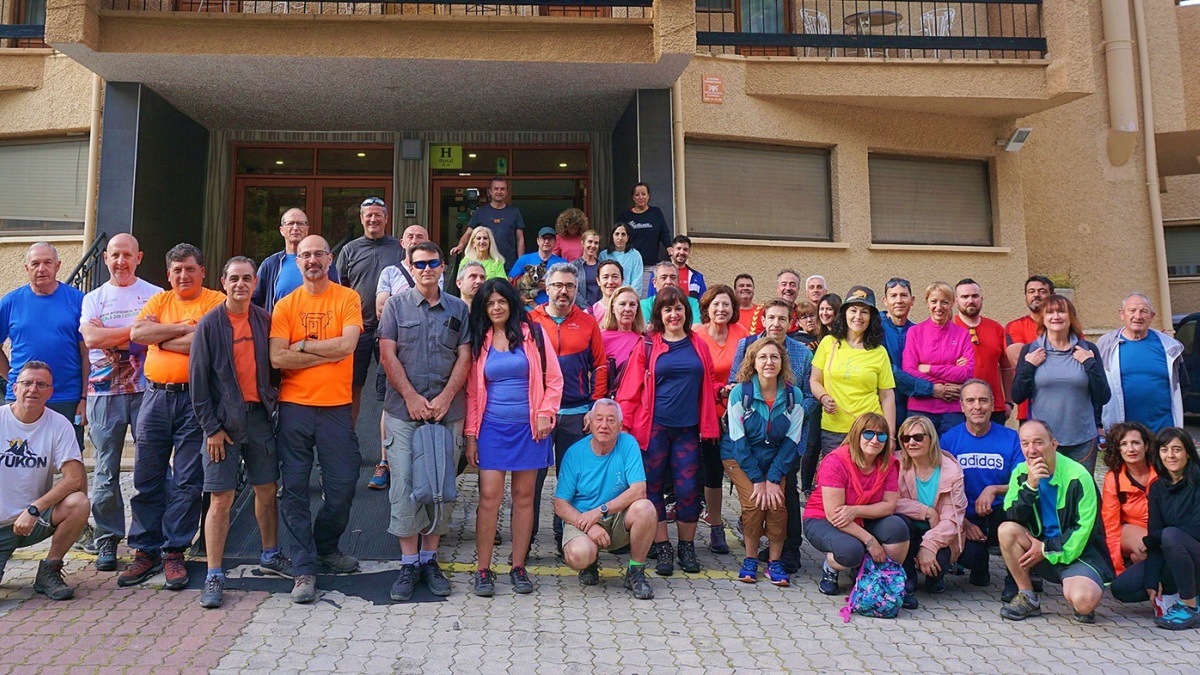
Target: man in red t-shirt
{"type": "Point", "coordinates": [992, 364]}
{"type": "Point", "coordinates": [1024, 330]}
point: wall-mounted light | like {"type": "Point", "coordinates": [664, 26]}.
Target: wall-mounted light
{"type": "Point", "coordinates": [362, 154]}
{"type": "Point", "coordinates": [1016, 141]}
{"type": "Point", "coordinates": [562, 165]}
{"type": "Point", "coordinates": [472, 155]}
{"type": "Point", "coordinates": [279, 162]}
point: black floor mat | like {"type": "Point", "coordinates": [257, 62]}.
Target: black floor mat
{"type": "Point", "coordinates": [373, 587]}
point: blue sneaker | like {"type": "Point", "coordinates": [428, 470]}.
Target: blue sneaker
{"type": "Point", "coordinates": [829, 581]}
{"type": "Point", "coordinates": [776, 574]}
{"type": "Point", "coordinates": [381, 478]}
{"type": "Point", "coordinates": [749, 571]}
{"type": "Point", "coordinates": [1179, 617]}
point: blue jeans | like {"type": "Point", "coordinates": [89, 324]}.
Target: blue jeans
{"type": "Point", "coordinates": [166, 507]}
{"type": "Point", "coordinates": [109, 418]}
{"type": "Point", "coordinates": [324, 432]}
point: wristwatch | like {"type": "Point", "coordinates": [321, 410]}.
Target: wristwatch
{"type": "Point", "coordinates": [33, 511]}
{"type": "Point", "coordinates": [301, 347]}
{"type": "Point", "coordinates": [604, 509]}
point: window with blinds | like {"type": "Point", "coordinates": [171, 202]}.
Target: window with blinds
{"type": "Point", "coordinates": [930, 201]}
{"type": "Point", "coordinates": [764, 192]}
{"type": "Point", "coordinates": [42, 186]}
{"type": "Point", "coordinates": [1183, 251]}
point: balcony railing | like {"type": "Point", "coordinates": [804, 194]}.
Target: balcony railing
{"type": "Point", "coordinates": [633, 9]}
{"type": "Point", "coordinates": [22, 23]}
{"type": "Point", "coordinates": [962, 29]}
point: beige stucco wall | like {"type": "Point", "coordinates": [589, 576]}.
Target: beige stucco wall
{"type": "Point", "coordinates": [1188, 20]}
{"type": "Point", "coordinates": [59, 106]}
{"type": "Point", "coordinates": [851, 133]}
{"type": "Point", "coordinates": [1182, 198]}
{"type": "Point", "coordinates": [12, 259]}
{"type": "Point", "coordinates": [1185, 296]}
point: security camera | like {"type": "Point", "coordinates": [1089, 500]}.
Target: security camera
{"type": "Point", "coordinates": [1017, 140]}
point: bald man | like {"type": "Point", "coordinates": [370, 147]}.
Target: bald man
{"type": "Point", "coordinates": [41, 320]}
{"type": "Point", "coordinates": [115, 384]}
{"type": "Point", "coordinates": [278, 274]}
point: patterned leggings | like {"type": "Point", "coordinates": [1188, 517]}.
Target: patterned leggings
{"type": "Point", "coordinates": [674, 451]}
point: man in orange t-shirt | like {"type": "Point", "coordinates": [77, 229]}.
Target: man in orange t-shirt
{"type": "Point", "coordinates": [314, 331]}
{"type": "Point", "coordinates": [1022, 331]}
{"type": "Point", "coordinates": [166, 507]}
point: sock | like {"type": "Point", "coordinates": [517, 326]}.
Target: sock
{"type": "Point", "coordinates": [216, 572]}
{"type": "Point", "coordinates": [427, 556]}
{"type": "Point", "coordinates": [268, 553]}
{"type": "Point", "coordinates": [383, 462]}
{"type": "Point", "coordinates": [1031, 595]}
{"type": "Point", "coordinates": [406, 559]}
{"type": "Point", "coordinates": [827, 568]}
{"type": "Point", "coordinates": [634, 563]}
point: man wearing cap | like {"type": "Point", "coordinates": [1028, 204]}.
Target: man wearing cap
{"type": "Point", "coordinates": [359, 265]}
{"type": "Point", "coordinates": [544, 255]}
{"type": "Point", "coordinates": [503, 219]}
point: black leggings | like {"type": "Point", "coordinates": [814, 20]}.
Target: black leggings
{"type": "Point", "coordinates": [1181, 563]}
{"type": "Point", "coordinates": [916, 534]}
{"type": "Point", "coordinates": [975, 554]}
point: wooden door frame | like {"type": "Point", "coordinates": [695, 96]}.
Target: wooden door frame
{"type": "Point", "coordinates": [313, 202]}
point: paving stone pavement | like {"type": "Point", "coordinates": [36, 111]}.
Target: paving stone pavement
{"type": "Point", "coordinates": [703, 623]}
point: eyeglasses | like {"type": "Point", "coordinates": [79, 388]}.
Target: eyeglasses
{"type": "Point", "coordinates": [295, 226]}
{"type": "Point", "coordinates": [556, 286]}
{"type": "Point", "coordinates": [897, 281]}
{"type": "Point", "coordinates": [309, 255]}
{"type": "Point", "coordinates": [872, 435]}
{"type": "Point", "coordinates": [431, 264]}
{"type": "Point", "coordinates": [34, 384]}
{"type": "Point", "coordinates": [905, 438]}
{"type": "Point", "coordinates": [974, 335]}
{"type": "Point", "coordinates": [372, 201]}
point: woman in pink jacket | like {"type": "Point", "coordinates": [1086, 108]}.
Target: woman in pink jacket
{"type": "Point", "coordinates": [668, 399]}
{"type": "Point", "coordinates": [513, 395]}
{"type": "Point", "coordinates": [940, 351]}
{"type": "Point", "coordinates": [933, 500]}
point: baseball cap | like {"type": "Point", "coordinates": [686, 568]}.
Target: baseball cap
{"type": "Point", "coordinates": [860, 295]}
{"type": "Point", "coordinates": [547, 231]}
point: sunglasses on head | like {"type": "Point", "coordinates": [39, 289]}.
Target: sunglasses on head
{"type": "Point", "coordinates": [372, 201]}
{"type": "Point", "coordinates": [897, 281]}
{"type": "Point", "coordinates": [904, 438]}
{"type": "Point", "coordinates": [872, 435]}
{"type": "Point", "coordinates": [422, 264]}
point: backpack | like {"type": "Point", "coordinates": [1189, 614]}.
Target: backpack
{"type": "Point", "coordinates": [747, 391]}
{"type": "Point", "coordinates": [433, 468]}
{"type": "Point", "coordinates": [539, 338]}
{"type": "Point", "coordinates": [878, 591]}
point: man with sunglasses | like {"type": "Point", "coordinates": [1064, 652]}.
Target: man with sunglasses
{"type": "Point", "coordinates": [279, 274]}
{"type": "Point", "coordinates": [425, 351]}
{"type": "Point", "coordinates": [359, 265]}
{"type": "Point", "coordinates": [898, 298]}
{"type": "Point", "coordinates": [992, 364]}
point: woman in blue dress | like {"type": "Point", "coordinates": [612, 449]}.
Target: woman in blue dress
{"type": "Point", "coordinates": [513, 393]}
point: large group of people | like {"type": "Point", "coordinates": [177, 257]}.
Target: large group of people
{"type": "Point", "coordinates": [836, 420]}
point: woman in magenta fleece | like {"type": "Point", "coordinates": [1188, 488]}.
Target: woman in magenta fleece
{"type": "Point", "coordinates": [939, 351]}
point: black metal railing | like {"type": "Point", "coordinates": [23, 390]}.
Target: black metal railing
{"type": "Point", "coordinates": [632, 9]}
{"type": "Point", "coordinates": [22, 23]}
{"type": "Point", "coordinates": [961, 29]}
{"type": "Point", "coordinates": [86, 275]}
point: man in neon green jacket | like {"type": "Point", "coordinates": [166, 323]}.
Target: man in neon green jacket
{"type": "Point", "coordinates": [1052, 529]}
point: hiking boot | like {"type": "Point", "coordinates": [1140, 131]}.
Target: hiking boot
{"type": "Point", "coordinates": [338, 562]}
{"type": "Point", "coordinates": [749, 572]}
{"type": "Point", "coordinates": [935, 585]}
{"type": "Point", "coordinates": [87, 541]}
{"type": "Point", "coordinates": [381, 478]}
{"type": "Point", "coordinates": [980, 577]}
{"type": "Point", "coordinates": [278, 564]}
{"type": "Point", "coordinates": [106, 555]}
{"type": "Point", "coordinates": [50, 583]}
{"type": "Point", "coordinates": [484, 583]}
{"type": "Point", "coordinates": [1010, 590]}
{"type": "Point", "coordinates": [175, 571]}
{"type": "Point", "coordinates": [716, 539]}
{"type": "Point", "coordinates": [590, 575]}
{"type": "Point", "coordinates": [687, 557]}
{"type": "Point", "coordinates": [213, 593]}
{"type": "Point", "coordinates": [1021, 607]}
{"type": "Point", "coordinates": [652, 554]}
{"type": "Point", "coordinates": [522, 584]}
{"type": "Point", "coordinates": [910, 600]}
{"type": "Point", "coordinates": [829, 581]}
{"type": "Point", "coordinates": [1086, 617]}
{"type": "Point", "coordinates": [304, 590]}
{"type": "Point", "coordinates": [144, 566]}
{"type": "Point", "coordinates": [636, 582]}
{"type": "Point", "coordinates": [1178, 617]}
{"type": "Point", "coordinates": [666, 559]}
{"type": "Point", "coordinates": [405, 584]}
{"type": "Point", "coordinates": [777, 576]}
{"type": "Point", "coordinates": [435, 580]}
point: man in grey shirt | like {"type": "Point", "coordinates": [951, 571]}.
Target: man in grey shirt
{"type": "Point", "coordinates": [359, 264]}
{"type": "Point", "coordinates": [503, 219]}
{"type": "Point", "coordinates": [425, 351]}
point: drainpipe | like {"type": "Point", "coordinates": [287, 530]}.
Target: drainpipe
{"type": "Point", "coordinates": [93, 172]}
{"type": "Point", "coordinates": [1122, 103]}
{"type": "Point", "coordinates": [677, 154]}
{"type": "Point", "coordinates": [1156, 218]}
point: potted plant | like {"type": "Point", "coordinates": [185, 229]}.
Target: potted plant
{"type": "Point", "coordinates": [1066, 282]}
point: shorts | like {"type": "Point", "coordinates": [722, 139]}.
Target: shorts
{"type": "Point", "coordinates": [1056, 572]}
{"type": "Point", "coordinates": [257, 452]}
{"type": "Point", "coordinates": [10, 541]}
{"type": "Point", "coordinates": [613, 524]}
{"type": "Point", "coordinates": [408, 518]}
{"type": "Point", "coordinates": [367, 346]}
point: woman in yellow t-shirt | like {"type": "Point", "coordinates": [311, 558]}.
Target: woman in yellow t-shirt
{"type": "Point", "coordinates": [851, 371]}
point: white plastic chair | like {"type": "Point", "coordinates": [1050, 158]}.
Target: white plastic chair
{"type": "Point", "coordinates": [938, 23]}
{"type": "Point", "coordinates": [816, 23]}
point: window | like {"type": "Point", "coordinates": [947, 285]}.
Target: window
{"type": "Point", "coordinates": [43, 186]}
{"type": "Point", "coordinates": [1183, 251]}
{"type": "Point", "coordinates": [928, 201]}
{"type": "Point", "coordinates": [763, 192]}
{"type": "Point", "coordinates": [1186, 333]}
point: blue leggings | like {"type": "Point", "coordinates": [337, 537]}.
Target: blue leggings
{"type": "Point", "coordinates": [674, 450]}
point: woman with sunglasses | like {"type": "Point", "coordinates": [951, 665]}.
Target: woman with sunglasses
{"type": "Point", "coordinates": [1124, 504]}
{"type": "Point", "coordinates": [1061, 376]}
{"type": "Point", "coordinates": [851, 512]}
{"type": "Point", "coordinates": [513, 395]}
{"type": "Point", "coordinates": [609, 277]}
{"type": "Point", "coordinates": [939, 351]}
{"type": "Point", "coordinates": [482, 249]}
{"type": "Point", "coordinates": [933, 501]}
{"type": "Point", "coordinates": [1169, 575]}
